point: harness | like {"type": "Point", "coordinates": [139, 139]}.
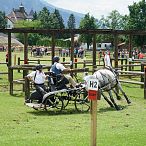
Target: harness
{"type": "Point", "coordinates": [106, 82]}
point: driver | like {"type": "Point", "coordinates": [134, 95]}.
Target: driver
{"type": "Point", "coordinates": [58, 68]}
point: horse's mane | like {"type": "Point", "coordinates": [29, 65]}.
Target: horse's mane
{"type": "Point", "coordinates": [105, 67]}
{"type": "Point", "coordinates": [108, 68]}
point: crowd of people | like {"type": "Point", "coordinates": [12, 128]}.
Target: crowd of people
{"type": "Point", "coordinates": [38, 51]}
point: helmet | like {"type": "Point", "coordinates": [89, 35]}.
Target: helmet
{"type": "Point", "coordinates": [39, 67]}
{"type": "Point", "coordinates": [56, 58]}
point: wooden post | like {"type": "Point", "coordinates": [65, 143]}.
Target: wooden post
{"type": "Point", "coordinates": [116, 50]}
{"type": "Point", "coordinates": [142, 70]}
{"type": "Point", "coordinates": [84, 63]}
{"type": "Point", "coordinates": [72, 49]}
{"type": "Point", "coordinates": [122, 64]}
{"type": "Point", "coordinates": [76, 64]}
{"type": "Point", "coordinates": [14, 59]}
{"type": "Point", "coordinates": [94, 52]}
{"type": "Point", "coordinates": [111, 62]}
{"type": "Point", "coordinates": [53, 46]}
{"type": "Point", "coordinates": [144, 82]}
{"type": "Point", "coordinates": [92, 86]}
{"type": "Point", "coordinates": [19, 63]}
{"type": "Point", "coordinates": [39, 61]}
{"type": "Point", "coordinates": [25, 49]}
{"type": "Point", "coordinates": [63, 59]}
{"type": "Point", "coordinates": [27, 88]}
{"type": "Point", "coordinates": [93, 122]}
{"type": "Point", "coordinates": [11, 81]}
{"type": "Point", "coordinates": [25, 72]}
{"type": "Point", "coordinates": [130, 49]}
{"type": "Point", "coordinates": [126, 64]}
{"type": "Point", "coordinates": [116, 54]}
{"type": "Point", "coordinates": [9, 56]}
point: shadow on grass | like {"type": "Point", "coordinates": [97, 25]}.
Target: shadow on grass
{"type": "Point", "coordinates": [109, 109]}
{"type": "Point", "coordinates": [55, 113]}
{"type": "Point", "coordinates": [20, 95]}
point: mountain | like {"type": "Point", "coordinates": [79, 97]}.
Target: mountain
{"type": "Point", "coordinates": [37, 5]}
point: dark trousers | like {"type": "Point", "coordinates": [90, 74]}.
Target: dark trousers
{"type": "Point", "coordinates": [41, 89]}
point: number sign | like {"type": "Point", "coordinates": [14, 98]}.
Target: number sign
{"type": "Point", "coordinates": [91, 83]}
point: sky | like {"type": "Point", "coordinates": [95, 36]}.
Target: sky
{"type": "Point", "coordinates": [96, 8]}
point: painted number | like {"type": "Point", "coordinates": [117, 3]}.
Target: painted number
{"type": "Point", "coordinates": [93, 84]}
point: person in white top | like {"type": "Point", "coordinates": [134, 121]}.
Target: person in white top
{"type": "Point", "coordinates": [107, 61]}
{"type": "Point", "coordinates": [58, 68]}
{"type": "Point", "coordinates": [38, 77]}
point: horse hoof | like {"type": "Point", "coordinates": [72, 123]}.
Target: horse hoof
{"type": "Point", "coordinates": [128, 101]}
{"type": "Point", "coordinates": [119, 108]}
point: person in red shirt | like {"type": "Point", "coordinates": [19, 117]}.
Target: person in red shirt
{"type": "Point", "coordinates": [140, 55]}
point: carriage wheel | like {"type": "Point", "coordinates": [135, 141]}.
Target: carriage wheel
{"type": "Point", "coordinates": [82, 104]}
{"type": "Point", "coordinates": [66, 102]}
{"type": "Point", "coordinates": [54, 104]}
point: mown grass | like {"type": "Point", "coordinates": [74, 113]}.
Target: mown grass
{"type": "Point", "coordinates": [23, 126]}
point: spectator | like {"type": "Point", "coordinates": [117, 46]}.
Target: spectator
{"type": "Point", "coordinates": [140, 55]}
{"type": "Point", "coordinates": [107, 61]}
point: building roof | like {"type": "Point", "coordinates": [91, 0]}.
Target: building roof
{"type": "Point", "coordinates": [4, 41]}
{"type": "Point", "coordinates": [19, 14]}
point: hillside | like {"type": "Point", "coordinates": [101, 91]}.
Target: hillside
{"type": "Point", "coordinates": [37, 5]}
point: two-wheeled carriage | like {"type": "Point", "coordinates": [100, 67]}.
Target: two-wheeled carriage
{"type": "Point", "coordinates": [58, 95]}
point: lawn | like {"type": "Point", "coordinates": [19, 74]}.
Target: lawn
{"type": "Point", "coordinates": [23, 126]}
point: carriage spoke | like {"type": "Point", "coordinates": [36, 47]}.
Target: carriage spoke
{"type": "Point", "coordinates": [82, 103]}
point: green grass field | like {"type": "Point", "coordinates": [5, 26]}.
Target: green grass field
{"type": "Point", "coordinates": [23, 126]}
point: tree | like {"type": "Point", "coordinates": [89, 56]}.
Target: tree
{"type": "Point", "coordinates": [137, 21]}
{"type": "Point", "coordinates": [71, 22]}
{"type": "Point", "coordinates": [60, 19]}
{"type": "Point", "coordinates": [54, 22]}
{"type": "Point", "coordinates": [43, 16]}
{"type": "Point", "coordinates": [88, 22]}
{"type": "Point", "coordinates": [26, 24]}
{"type": "Point", "coordinates": [2, 20]}
{"type": "Point", "coordinates": [60, 22]}
{"type": "Point", "coordinates": [114, 20]}
{"type": "Point", "coordinates": [35, 16]}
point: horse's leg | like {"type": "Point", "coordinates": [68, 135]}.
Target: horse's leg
{"type": "Point", "coordinates": [120, 88]}
{"type": "Point", "coordinates": [117, 95]}
{"type": "Point", "coordinates": [108, 101]}
{"type": "Point", "coordinates": [113, 101]}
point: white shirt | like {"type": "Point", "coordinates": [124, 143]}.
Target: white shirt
{"type": "Point", "coordinates": [59, 66]}
{"type": "Point", "coordinates": [39, 78]}
{"type": "Point", "coordinates": [107, 60]}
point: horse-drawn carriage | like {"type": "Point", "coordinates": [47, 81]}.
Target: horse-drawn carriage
{"type": "Point", "coordinates": [58, 95]}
